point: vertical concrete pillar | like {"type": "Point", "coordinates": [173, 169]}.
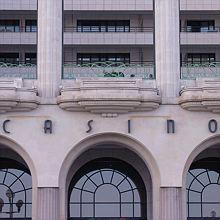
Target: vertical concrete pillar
{"type": "Point", "coordinates": [49, 47]}
{"type": "Point", "coordinates": [171, 203]}
{"type": "Point", "coordinates": [48, 204]}
{"type": "Point", "coordinates": [167, 48]}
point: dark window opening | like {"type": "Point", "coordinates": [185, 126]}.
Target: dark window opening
{"type": "Point", "coordinates": [200, 58]}
{"type": "Point", "coordinates": [9, 58]}
{"type": "Point", "coordinates": [31, 25]}
{"type": "Point", "coordinates": [83, 58]}
{"type": "Point", "coordinates": [31, 58]}
{"type": "Point", "coordinates": [103, 26]}
{"type": "Point", "coordinates": [200, 26]}
{"type": "Point", "coordinates": [9, 26]}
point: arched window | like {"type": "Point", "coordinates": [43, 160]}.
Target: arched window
{"type": "Point", "coordinates": [107, 188]}
{"type": "Point", "coordinates": [15, 190]}
{"type": "Point", "coordinates": [203, 189]}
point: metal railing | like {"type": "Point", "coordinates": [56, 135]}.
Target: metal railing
{"type": "Point", "coordinates": [196, 29]}
{"type": "Point", "coordinates": [18, 29]}
{"type": "Point", "coordinates": [95, 29]}
{"type": "Point", "coordinates": [200, 70]}
{"type": "Point", "coordinates": [20, 70]}
{"type": "Point", "coordinates": [144, 70]}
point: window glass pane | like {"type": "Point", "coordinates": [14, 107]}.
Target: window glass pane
{"type": "Point", "coordinates": [107, 210]}
{"type": "Point", "coordinates": [211, 210]}
{"type": "Point", "coordinates": [127, 210]}
{"type": "Point", "coordinates": [194, 210]}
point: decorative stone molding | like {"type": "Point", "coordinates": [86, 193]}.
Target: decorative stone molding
{"type": "Point", "coordinates": [109, 96]}
{"type": "Point", "coordinates": [204, 96]}
{"type": "Point", "coordinates": [15, 97]}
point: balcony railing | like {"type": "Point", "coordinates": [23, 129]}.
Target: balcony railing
{"type": "Point", "coordinates": [96, 29]}
{"type": "Point", "coordinates": [200, 70]}
{"type": "Point", "coordinates": [145, 70]}
{"type": "Point", "coordinates": [20, 70]}
{"type": "Point", "coordinates": [18, 29]}
{"type": "Point", "coordinates": [195, 29]}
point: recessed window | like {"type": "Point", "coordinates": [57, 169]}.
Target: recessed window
{"type": "Point", "coordinates": [15, 190]}
{"type": "Point", "coordinates": [9, 26]}
{"type": "Point", "coordinates": [203, 190]}
{"type": "Point", "coordinates": [103, 26]}
{"type": "Point", "coordinates": [31, 25]}
{"type": "Point", "coordinates": [200, 26]}
{"type": "Point", "coordinates": [9, 58]}
{"type": "Point", "coordinates": [31, 58]}
{"type": "Point", "coordinates": [83, 58]}
{"type": "Point", "coordinates": [106, 189]}
{"type": "Point", "coordinates": [199, 58]}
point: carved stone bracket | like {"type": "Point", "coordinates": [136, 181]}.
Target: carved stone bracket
{"type": "Point", "coordinates": [110, 96]}
{"type": "Point", "coordinates": [204, 96]}
{"type": "Point", "coordinates": [15, 97]}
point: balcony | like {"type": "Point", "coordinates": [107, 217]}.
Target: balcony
{"type": "Point", "coordinates": [135, 36]}
{"type": "Point", "coordinates": [200, 87]}
{"type": "Point", "coordinates": [196, 5]}
{"type": "Point", "coordinates": [113, 5]}
{"type": "Point", "coordinates": [15, 97]}
{"type": "Point", "coordinates": [19, 70]}
{"type": "Point", "coordinates": [200, 37]}
{"type": "Point", "coordinates": [18, 4]}
{"type": "Point", "coordinates": [98, 89]}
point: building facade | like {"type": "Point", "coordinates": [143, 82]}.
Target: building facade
{"type": "Point", "coordinates": [110, 109]}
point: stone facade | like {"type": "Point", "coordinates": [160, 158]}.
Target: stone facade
{"type": "Point", "coordinates": [158, 125]}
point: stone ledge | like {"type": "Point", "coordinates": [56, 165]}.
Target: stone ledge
{"type": "Point", "coordinates": [109, 96]}
{"type": "Point", "coordinates": [205, 96]}
{"type": "Point", "coordinates": [14, 97]}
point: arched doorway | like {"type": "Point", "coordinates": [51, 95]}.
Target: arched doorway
{"type": "Point", "coordinates": [114, 177]}
{"type": "Point", "coordinates": [107, 188]}
{"type": "Point", "coordinates": [15, 186]}
{"type": "Point", "coordinates": [203, 186]}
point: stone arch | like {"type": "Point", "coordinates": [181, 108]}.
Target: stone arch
{"type": "Point", "coordinates": [206, 144]}
{"type": "Point", "coordinates": [116, 139]}
{"type": "Point", "coordinates": [20, 151]}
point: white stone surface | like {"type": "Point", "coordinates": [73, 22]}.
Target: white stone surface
{"type": "Point", "coordinates": [131, 38]}
{"type": "Point", "coordinates": [49, 46]}
{"type": "Point", "coordinates": [167, 48]}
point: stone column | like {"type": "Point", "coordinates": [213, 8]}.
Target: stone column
{"type": "Point", "coordinates": [49, 50]}
{"type": "Point", "coordinates": [48, 204]}
{"type": "Point", "coordinates": [171, 203]}
{"type": "Point", "coordinates": [167, 48]}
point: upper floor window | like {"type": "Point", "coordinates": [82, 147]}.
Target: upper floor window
{"type": "Point", "coordinates": [103, 26]}
{"type": "Point", "coordinates": [200, 26]}
{"type": "Point", "coordinates": [31, 25]}
{"type": "Point", "coordinates": [31, 58]}
{"type": "Point", "coordinates": [9, 58]}
{"type": "Point", "coordinates": [83, 58]}
{"type": "Point", "coordinates": [9, 26]}
{"type": "Point", "coordinates": [197, 58]}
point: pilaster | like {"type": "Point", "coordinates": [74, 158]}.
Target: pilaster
{"type": "Point", "coordinates": [48, 204]}
{"type": "Point", "coordinates": [171, 203]}
{"type": "Point", "coordinates": [49, 47]}
{"type": "Point", "coordinates": [167, 48]}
